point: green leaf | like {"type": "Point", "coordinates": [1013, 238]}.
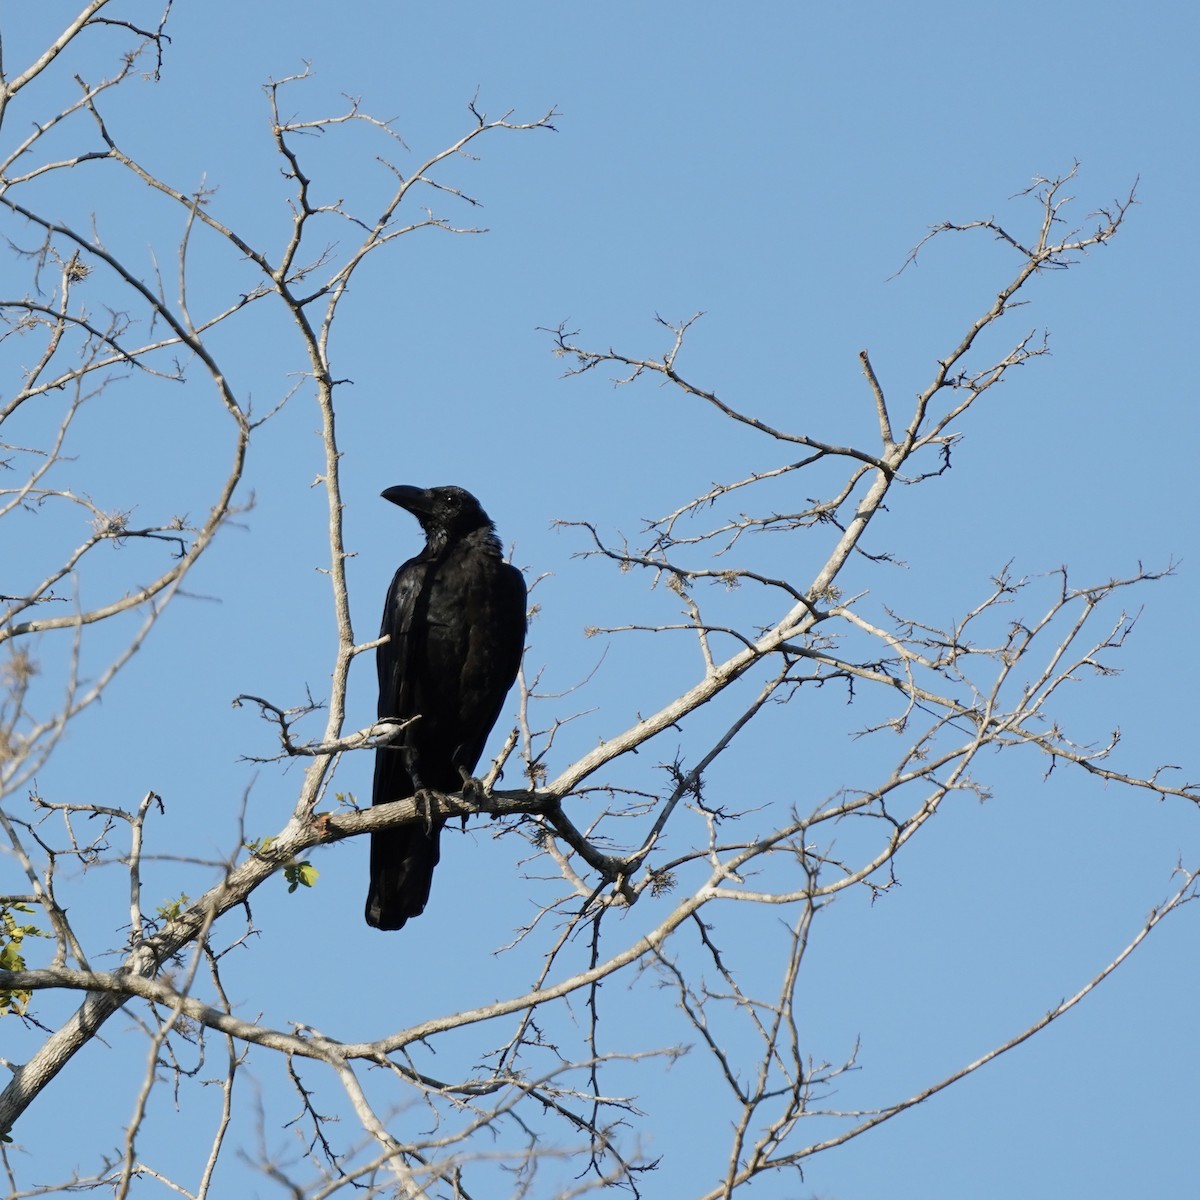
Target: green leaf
{"type": "Point", "coordinates": [171, 910]}
{"type": "Point", "coordinates": [12, 934]}
{"type": "Point", "coordinates": [300, 874]}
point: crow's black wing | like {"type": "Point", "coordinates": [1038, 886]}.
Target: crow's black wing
{"type": "Point", "coordinates": [402, 859]}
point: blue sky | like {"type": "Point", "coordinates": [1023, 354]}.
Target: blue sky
{"type": "Point", "coordinates": [771, 166]}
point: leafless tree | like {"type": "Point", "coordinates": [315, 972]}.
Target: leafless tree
{"type": "Point", "coordinates": [640, 851]}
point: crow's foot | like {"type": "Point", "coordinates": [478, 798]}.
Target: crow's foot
{"type": "Point", "coordinates": [424, 801]}
{"type": "Point", "coordinates": [472, 790]}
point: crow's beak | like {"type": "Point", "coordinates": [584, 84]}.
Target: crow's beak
{"type": "Point", "coordinates": [414, 499]}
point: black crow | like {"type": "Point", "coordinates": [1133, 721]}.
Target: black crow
{"type": "Point", "coordinates": [455, 620]}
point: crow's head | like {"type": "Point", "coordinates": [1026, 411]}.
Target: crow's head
{"type": "Point", "coordinates": [443, 511]}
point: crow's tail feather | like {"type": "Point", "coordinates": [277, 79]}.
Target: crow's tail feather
{"type": "Point", "coordinates": [402, 863]}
